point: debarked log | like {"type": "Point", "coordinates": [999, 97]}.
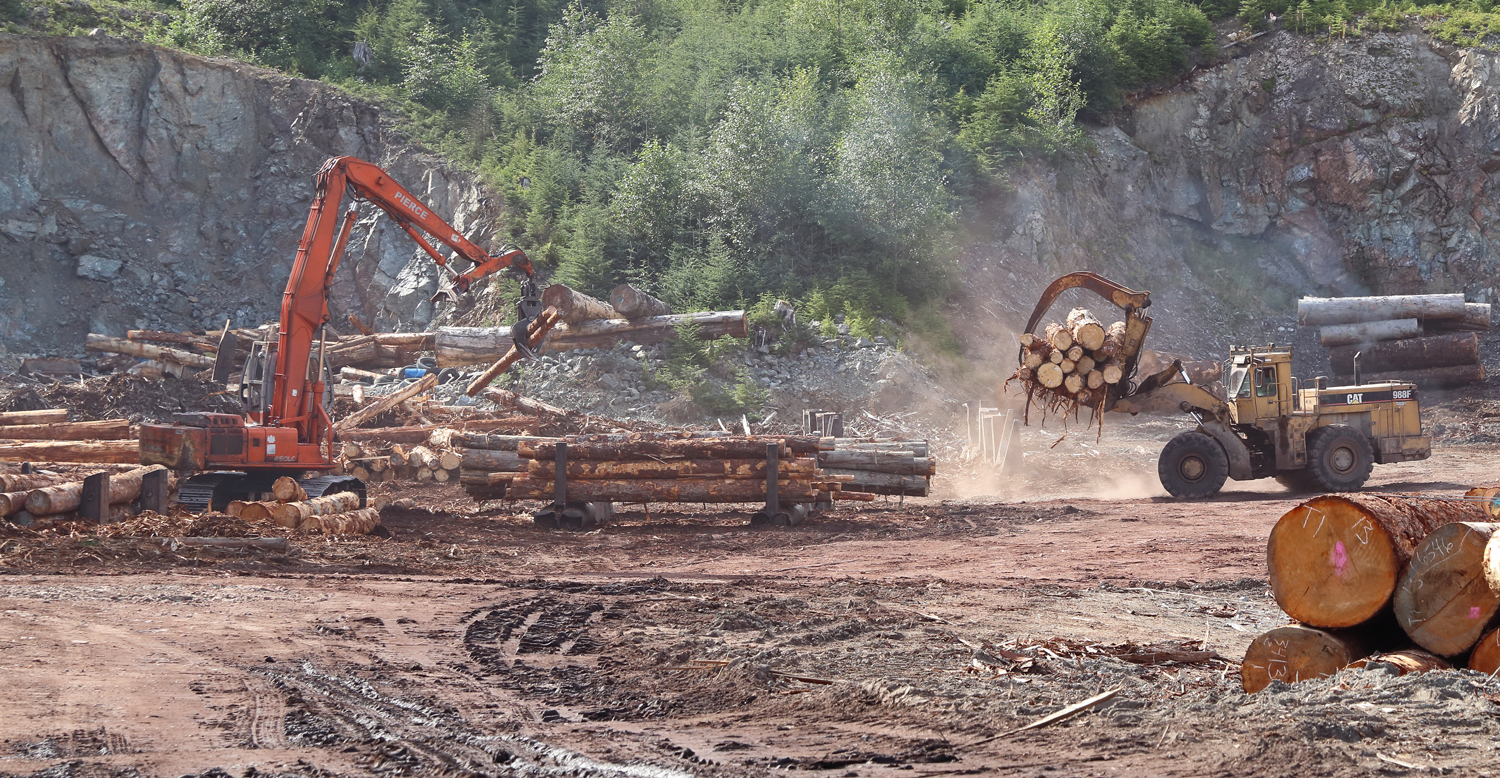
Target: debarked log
{"type": "Point", "coordinates": [633, 303]}
{"type": "Point", "coordinates": [691, 449]}
{"type": "Point", "coordinates": [96, 452]}
{"type": "Point", "coordinates": [1444, 600]}
{"type": "Point", "coordinates": [897, 462]}
{"type": "Point", "coordinates": [732, 469]}
{"type": "Point", "coordinates": [1461, 348]}
{"type": "Point", "coordinates": [107, 429]}
{"type": "Point", "coordinates": [574, 306]}
{"type": "Point", "coordinates": [94, 342]}
{"type": "Point", "coordinates": [662, 490]}
{"type": "Point", "coordinates": [1430, 378]}
{"type": "Point", "coordinates": [1369, 332]}
{"type": "Point", "coordinates": [879, 483]}
{"type": "Point", "coordinates": [1320, 311]}
{"type": "Point", "coordinates": [51, 416]}
{"type": "Point", "coordinates": [62, 498]}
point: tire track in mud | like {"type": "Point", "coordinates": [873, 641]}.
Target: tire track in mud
{"type": "Point", "coordinates": [393, 735]}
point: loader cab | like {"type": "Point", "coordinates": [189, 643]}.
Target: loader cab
{"type": "Point", "coordinates": [1260, 383]}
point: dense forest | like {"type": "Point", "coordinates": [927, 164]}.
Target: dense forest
{"type": "Point", "coordinates": [722, 152]}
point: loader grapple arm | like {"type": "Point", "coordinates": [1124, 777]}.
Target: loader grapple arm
{"type": "Point", "coordinates": [1131, 302]}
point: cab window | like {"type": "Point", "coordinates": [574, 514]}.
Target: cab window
{"type": "Point", "coordinates": [1238, 386]}
{"type": "Point", "coordinates": [1265, 382]}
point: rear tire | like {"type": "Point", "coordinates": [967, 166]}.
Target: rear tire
{"type": "Point", "coordinates": [1339, 458]}
{"type": "Point", "coordinates": [1192, 466]}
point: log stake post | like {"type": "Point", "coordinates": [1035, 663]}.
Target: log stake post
{"type": "Point", "coordinates": [560, 480]}
{"type": "Point", "coordinates": [25, 468]}
{"type": "Point", "coordinates": [773, 471]}
{"type": "Point", "coordinates": [94, 502]}
{"type": "Point", "coordinates": [835, 425]}
{"type": "Point", "coordinates": [968, 427]}
{"type": "Point", "coordinates": [154, 491]}
{"type": "Point", "coordinates": [1003, 449]}
{"type": "Point", "coordinates": [1012, 449]}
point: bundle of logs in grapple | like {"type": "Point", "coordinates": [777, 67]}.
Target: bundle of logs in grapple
{"type": "Point", "coordinates": [1069, 365]}
{"type": "Point", "coordinates": [706, 467]}
{"type": "Point", "coordinates": [1407, 582]}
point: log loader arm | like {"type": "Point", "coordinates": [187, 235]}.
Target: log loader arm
{"type": "Point", "coordinates": [294, 401]}
{"type": "Point", "coordinates": [1137, 324]}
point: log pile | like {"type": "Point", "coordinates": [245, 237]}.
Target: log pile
{"type": "Point", "coordinates": [1405, 581]}
{"type": "Point", "coordinates": [332, 514]}
{"type": "Point", "coordinates": [1430, 340]}
{"type": "Point", "coordinates": [1071, 364]}
{"type": "Point", "coordinates": [49, 495]}
{"type": "Point", "coordinates": [707, 467]}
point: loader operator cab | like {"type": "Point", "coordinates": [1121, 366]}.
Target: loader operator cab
{"type": "Point", "coordinates": [1260, 384]}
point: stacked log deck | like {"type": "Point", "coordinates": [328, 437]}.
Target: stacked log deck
{"type": "Point", "coordinates": [1430, 340]}
{"type": "Point", "coordinates": [705, 467]}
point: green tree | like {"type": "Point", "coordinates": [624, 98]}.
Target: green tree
{"type": "Point", "coordinates": [593, 73]}
{"type": "Point", "coordinates": [1058, 98]}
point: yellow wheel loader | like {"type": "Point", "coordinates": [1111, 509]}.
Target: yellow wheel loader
{"type": "Point", "coordinates": [1306, 434]}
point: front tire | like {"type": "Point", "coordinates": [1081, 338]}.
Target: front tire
{"type": "Point", "coordinates": [1340, 458]}
{"type": "Point", "coordinates": [1192, 466]}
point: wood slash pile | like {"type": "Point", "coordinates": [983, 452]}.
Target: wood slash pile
{"type": "Point", "coordinates": [1070, 365]}
{"type": "Point", "coordinates": [333, 514]}
{"type": "Point", "coordinates": [1429, 339]}
{"type": "Point", "coordinates": [1409, 582]}
{"type": "Point", "coordinates": [708, 467]}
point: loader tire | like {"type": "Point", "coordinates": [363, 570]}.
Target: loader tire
{"type": "Point", "coordinates": [1192, 466]}
{"type": "Point", "coordinates": [1339, 458]}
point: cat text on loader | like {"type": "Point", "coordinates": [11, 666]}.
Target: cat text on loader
{"type": "Point", "coordinates": [1305, 434]}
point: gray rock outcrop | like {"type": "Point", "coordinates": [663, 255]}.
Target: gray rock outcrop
{"type": "Point", "coordinates": [147, 188]}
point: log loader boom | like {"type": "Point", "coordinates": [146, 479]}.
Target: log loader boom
{"type": "Point", "coordinates": [287, 430]}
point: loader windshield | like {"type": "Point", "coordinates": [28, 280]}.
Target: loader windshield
{"type": "Point", "coordinates": [1238, 386]}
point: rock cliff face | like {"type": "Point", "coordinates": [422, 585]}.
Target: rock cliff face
{"type": "Point", "coordinates": [1297, 167]}
{"type": "Point", "coordinates": [146, 188]}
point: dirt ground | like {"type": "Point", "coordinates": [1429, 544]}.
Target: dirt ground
{"type": "Point", "coordinates": [883, 639]}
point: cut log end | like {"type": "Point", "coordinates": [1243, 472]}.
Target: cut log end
{"type": "Point", "coordinates": [1296, 653]}
{"type": "Point", "coordinates": [1443, 600]}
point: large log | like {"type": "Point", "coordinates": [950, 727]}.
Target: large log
{"type": "Point", "coordinates": [1114, 342]}
{"type": "Point", "coordinates": [1405, 662]}
{"type": "Point", "coordinates": [458, 346]}
{"type": "Point", "coordinates": [1460, 348]}
{"type": "Point", "coordinates": [108, 429]}
{"type": "Point", "coordinates": [381, 350]}
{"type": "Point", "coordinates": [493, 442]}
{"type": "Point", "coordinates": [691, 449]}
{"type": "Point", "coordinates": [1086, 330]}
{"type": "Point", "coordinates": [1430, 378]}
{"type": "Point", "coordinates": [536, 332]}
{"type": "Point", "coordinates": [12, 503]}
{"type": "Point", "coordinates": [711, 490]}
{"type": "Point", "coordinates": [53, 416]}
{"type": "Point", "coordinates": [1476, 319]}
{"type": "Point", "coordinates": [421, 433]}
{"type": "Point", "coordinates": [357, 522]}
{"type": "Point", "coordinates": [632, 303]}
{"type": "Point", "coordinates": [574, 306]}
{"type": "Point", "coordinates": [94, 452]}
{"type": "Point", "coordinates": [293, 514]}
{"type": "Point", "coordinates": [287, 489]}
{"type": "Point", "coordinates": [897, 462]}
{"type": "Point", "coordinates": [1334, 560]}
{"type": "Point", "coordinates": [1368, 332]}
{"type": "Point", "coordinates": [386, 403]}
{"type": "Point", "coordinates": [485, 459]}
{"type": "Point", "coordinates": [1320, 311]}
{"type": "Point", "coordinates": [62, 498]}
{"type": "Point", "coordinates": [1443, 600]}
{"type": "Point", "coordinates": [17, 482]}
{"type": "Point", "coordinates": [596, 334]}
{"type": "Point", "coordinates": [792, 469]}
{"type": "Point", "coordinates": [93, 342]}
{"type": "Point", "coordinates": [879, 483]}
{"type": "Point", "coordinates": [508, 399]}
{"type": "Point", "coordinates": [917, 448]}
{"type": "Point", "coordinates": [1486, 655]}
{"type": "Point", "coordinates": [202, 342]}
{"type": "Point", "coordinates": [1297, 653]}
